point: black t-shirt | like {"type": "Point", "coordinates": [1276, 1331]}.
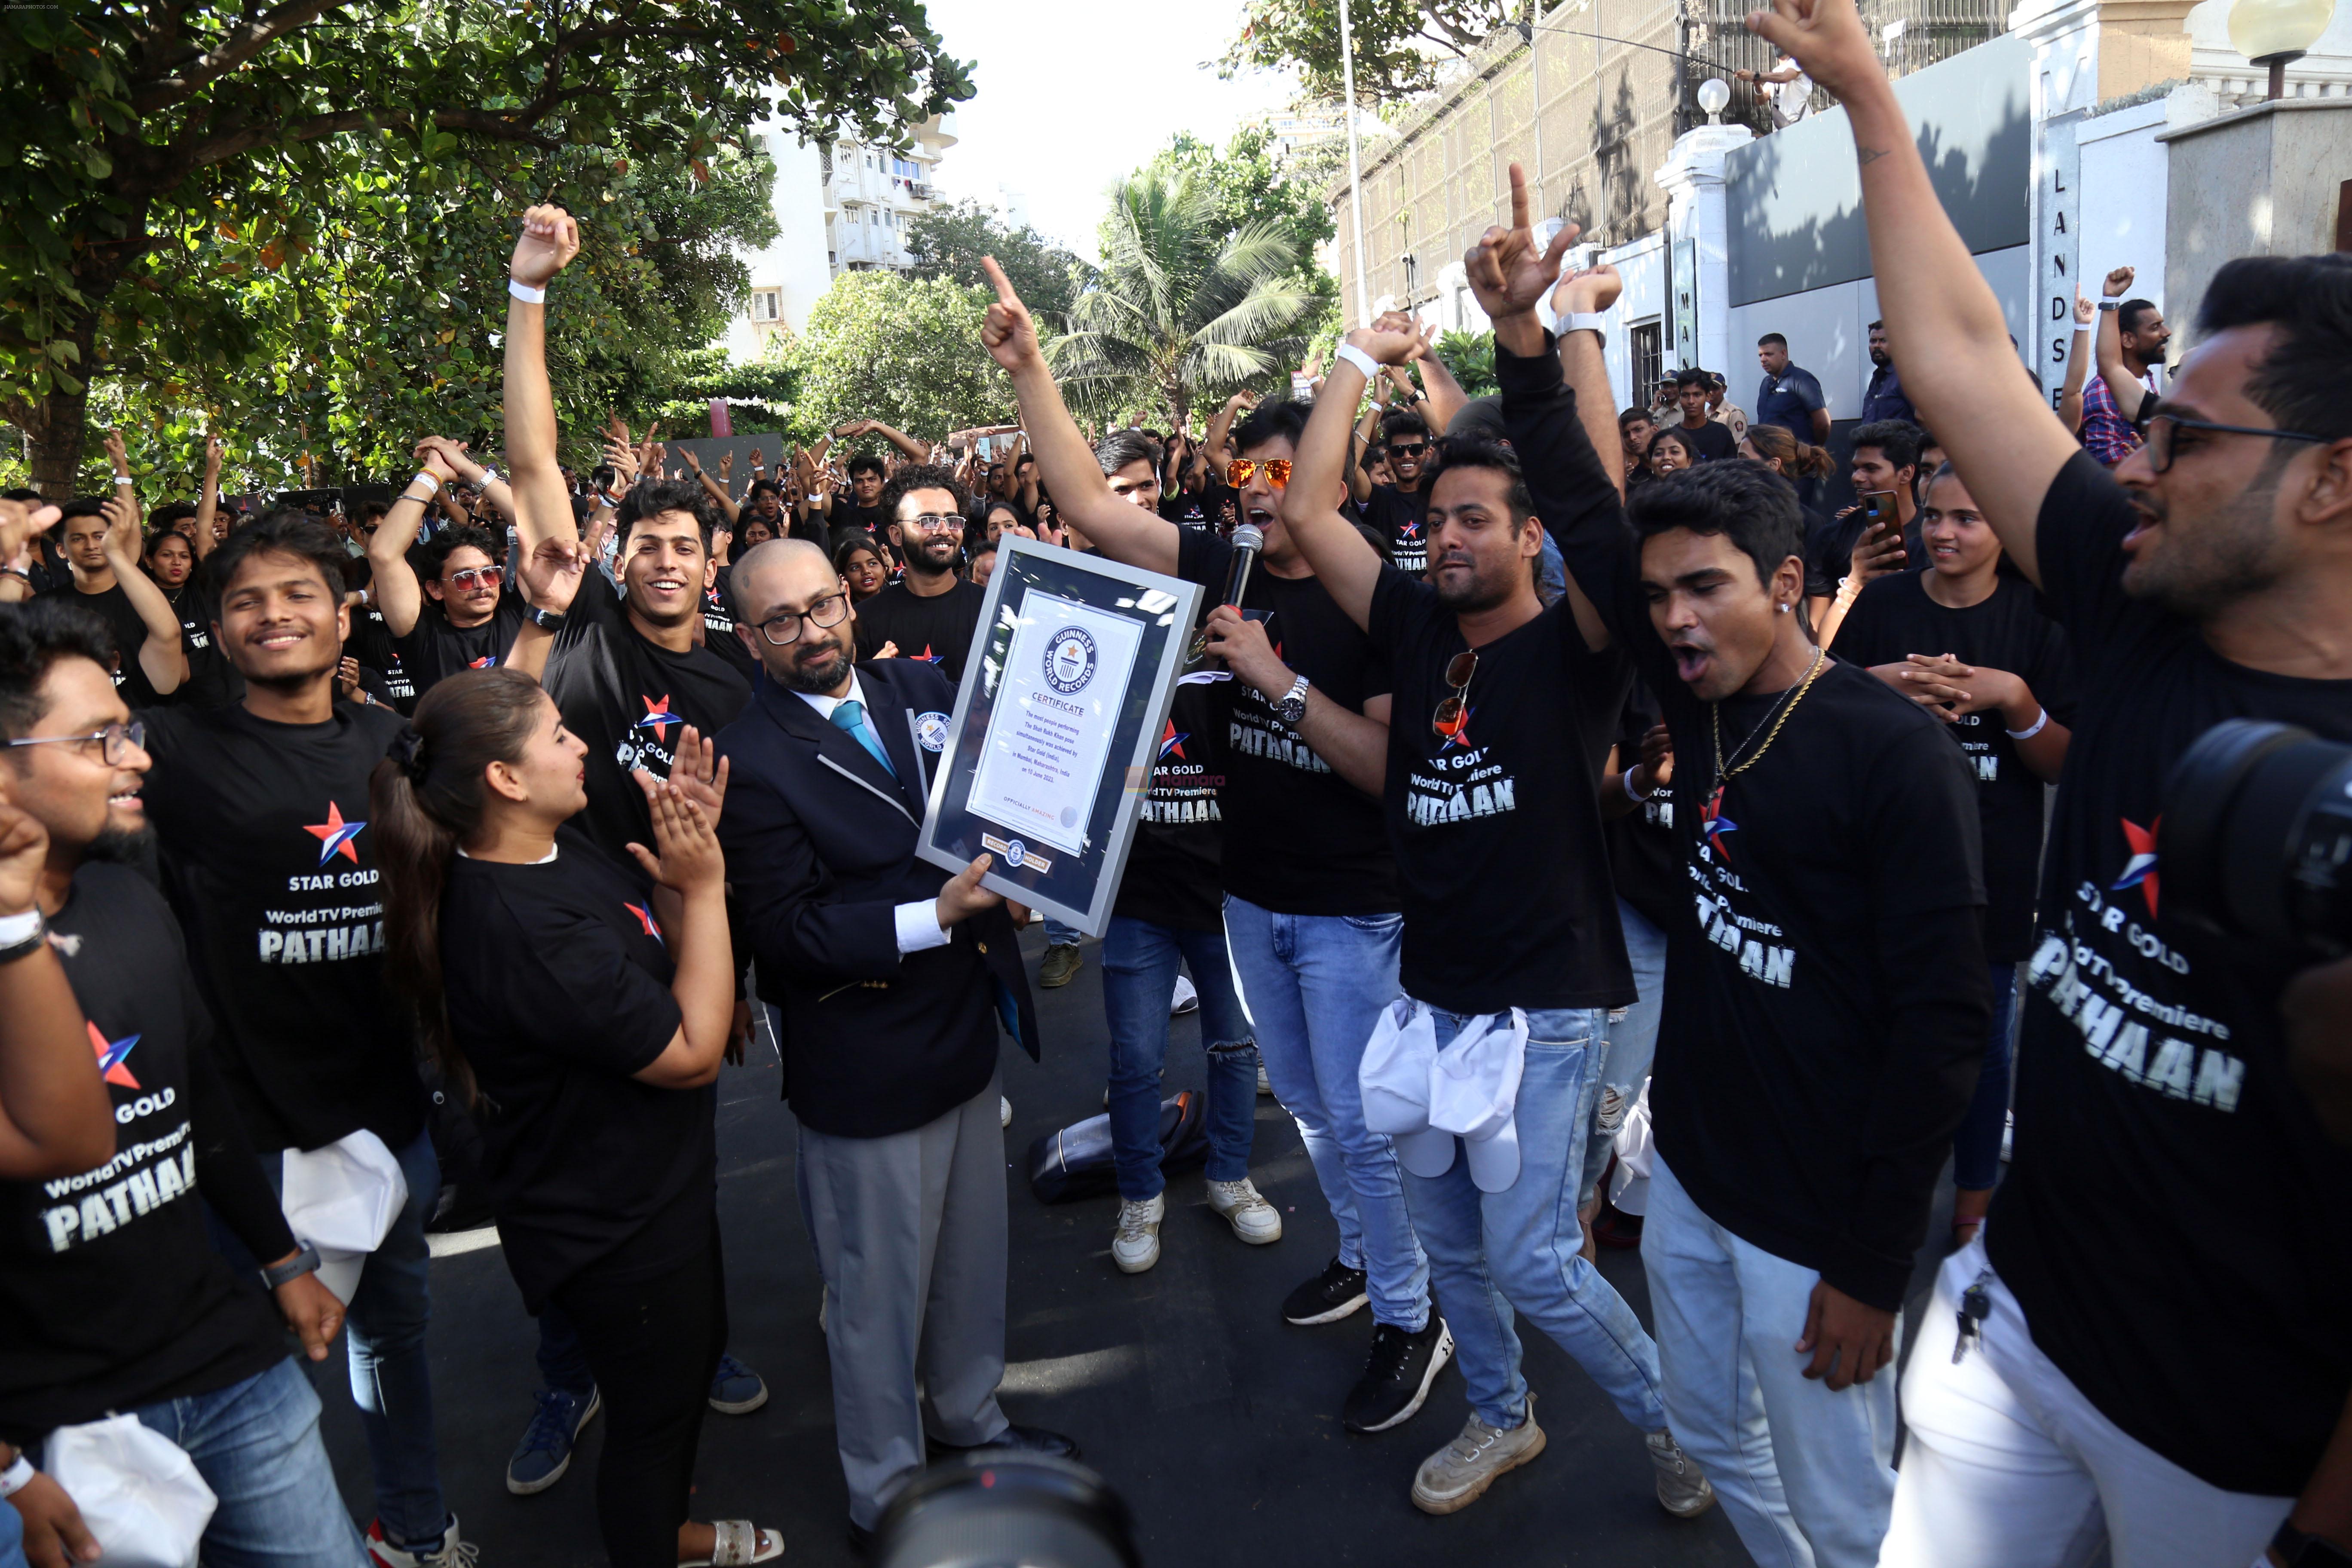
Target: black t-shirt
{"type": "Point", "coordinates": [272, 870]}
{"type": "Point", "coordinates": [1300, 840]}
{"type": "Point", "coordinates": [1499, 853]}
{"type": "Point", "coordinates": [129, 633]}
{"type": "Point", "coordinates": [111, 1293]}
{"type": "Point", "coordinates": [1644, 857]}
{"type": "Point", "coordinates": [718, 625]}
{"type": "Point", "coordinates": [1893, 617]}
{"type": "Point", "coordinates": [1192, 509]}
{"type": "Point", "coordinates": [558, 986]}
{"type": "Point", "coordinates": [2171, 1187]}
{"type": "Point", "coordinates": [847, 517]}
{"type": "Point", "coordinates": [1829, 549]}
{"type": "Point", "coordinates": [373, 647]}
{"type": "Point", "coordinates": [211, 681]}
{"type": "Point", "coordinates": [434, 651]}
{"type": "Point", "coordinates": [1713, 442]}
{"type": "Point", "coordinates": [630, 700]}
{"type": "Point", "coordinates": [1826, 1019]}
{"type": "Point", "coordinates": [1172, 875]}
{"type": "Point", "coordinates": [937, 630]}
{"type": "Point", "coordinates": [1400, 518]}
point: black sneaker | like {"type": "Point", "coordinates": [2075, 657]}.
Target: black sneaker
{"type": "Point", "coordinates": [1397, 1376]}
{"type": "Point", "coordinates": [1326, 1299]}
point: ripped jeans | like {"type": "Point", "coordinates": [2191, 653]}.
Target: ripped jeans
{"type": "Point", "coordinates": [1632, 1043]}
{"type": "Point", "coordinates": [1138, 961]}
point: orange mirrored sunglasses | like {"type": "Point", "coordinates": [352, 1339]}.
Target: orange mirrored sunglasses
{"type": "Point", "coordinates": [1277, 471]}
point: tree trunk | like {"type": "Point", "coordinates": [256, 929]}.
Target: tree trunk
{"type": "Point", "coordinates": [55, 426]}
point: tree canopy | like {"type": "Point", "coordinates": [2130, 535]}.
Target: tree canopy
{"type": "Point", "coordinates": [947, 242]}
{"type": "Point", "coordinates": [179, 173]}
{"type": "Point", "coordinates": [1401, 44]}
{"type": "Point", "coordinates": [904, 351]}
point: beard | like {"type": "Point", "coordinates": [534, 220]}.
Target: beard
{"type": "Point", "coordinates": [820, 676]}
{"type": "Point", "coordinates": [122, 846]}
{"type": "Point", "coordinates": [2231, 556]}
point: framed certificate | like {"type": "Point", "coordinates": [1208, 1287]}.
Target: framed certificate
{"type": "Point", "coordinates": [1050, 750]}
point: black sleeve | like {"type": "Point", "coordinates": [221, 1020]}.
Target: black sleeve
{"type": "Point", "coordinates": [1579, 504]}
{"type": "Point", "coordinates": [597, 601]}
{"type": "Point", "coordinates": [1921, 837]}
{"type": "Point", "coordinates": [2078, 540]}
{"type": "Point", "coordinates": [573, 992]}
{"type": "Point", "coordinates": [1863, 637]}
{"type": "Point", "coordinates": [2052, 674]}
{"type": "Point", "coordinates": [1202, 557]}
{"type": "Point", "coordinates": [228, 1172]}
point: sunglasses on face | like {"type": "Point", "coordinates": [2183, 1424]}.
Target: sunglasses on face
{"type": "Point", "coordinates": [2162, 446]}
{"type": "Point", "coordinates": [931, 522]}
{"type": "Point", "coordinates": [1407, 448]}
{"type": "Point", "coordinates": [1277, 471]}
{"type": "Point", "coordinates": [1448, 718]}
{"type": "Point", "coordinates": [474, 577]}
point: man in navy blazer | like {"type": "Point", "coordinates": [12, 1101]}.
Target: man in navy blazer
{"type": "Point", "coordinates": [892, 977]}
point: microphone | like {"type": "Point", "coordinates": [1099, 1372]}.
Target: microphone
{"type": "Point", "coordinates": [1247, 540]}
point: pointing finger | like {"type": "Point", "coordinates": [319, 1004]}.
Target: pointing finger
{"type": "Point", "coordinates": [1518, 197]}
{"type": "Point", "coordinates": [1004, 294]}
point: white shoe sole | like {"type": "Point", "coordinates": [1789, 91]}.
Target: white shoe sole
{"type": "Point", "coordinates": [1437, 1360]}
{"type": "Point", "coordinates": [1344, 1310]}
{"type": "Point", "coordinates": [1142, 1267]}
{"type": "Point", "coordinates": [1455, 1504]}
{"type": "Point", "coordinates": [1245, 1239]}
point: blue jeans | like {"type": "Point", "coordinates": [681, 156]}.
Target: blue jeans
{"type": "Point", "coordinates": [256, 1445]}
{"type": "Point", "coordinates": [1490, 1253]}
{"type": "Point", "coordinates": [1138, 961]}
{"type": "Point", "coordinates": [1976, 1143]}
{"type": "Point", "coordinates": [1806, 1475]}
{"type": "Point", "coordinates": [1059, 935]}
{"type": "Point", "coordinates": [1314, 986]}
{"type": "Point", "coordinates": [391, 1382]}
{"type": "Point", "coordinates": [12, 1539]}
{"type": "Point", "coordinates": [1631, 1036]}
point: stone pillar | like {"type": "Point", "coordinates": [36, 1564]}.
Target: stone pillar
{"type": "Point", "coordinates": [1698, 306]}
{"type": "Point", "coordinates": [2265, 179]}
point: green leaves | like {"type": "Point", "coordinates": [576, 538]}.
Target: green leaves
{"type": "Point", "coordinates": [904, 351]}
{"type": "Point", "coordinates": [947, 242]}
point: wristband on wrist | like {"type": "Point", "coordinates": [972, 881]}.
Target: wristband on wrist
{"type": "Point", "coordinates": [16, 1477]}
{"type": "Point", "coordinates": [526, 294]}
{"type": "Point", "coordinates": [490, 477]}
{"type": "Point", "coordinates": [303, 1262]}
{"type": "Point", "coordinates": [1583, 322]}
{"type": "Point", "coordinates": [124, 482]}
{"type": "Point", "coordinates": [2027, 734]}
{"type": "Point", "coordinates": [432, 485]}
{"type": "Point", "coordinates": [1360, 359]}
{"type": "Point", "coordinates": [1639, 796]}
{"type": "Point", "coordinates": [2111, 304]}
{"type": "Point", "coordinates": [22, 935]}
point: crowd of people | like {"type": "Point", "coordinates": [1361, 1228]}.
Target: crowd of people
{"type": "Point", "coordinates": [1580, 833]}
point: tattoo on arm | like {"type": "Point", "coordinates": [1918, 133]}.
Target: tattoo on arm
{"type": "Point", "coordinates": [1868, 155]}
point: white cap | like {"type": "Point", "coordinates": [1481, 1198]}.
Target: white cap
{"type": "Point", "coordinates": [1423, 1098]}
{"type": "Point", "coordinates": [1393, 1078]}
{"type": "Point", "coordinates": [343, 1199]}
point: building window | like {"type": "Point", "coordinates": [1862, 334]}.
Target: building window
{"type": "Point", "coordinates": [905, 169]}
{"type": "Point", "coordinates": [767, 304]}
{"type": "Point", "coordinates": [825, 161]}
{"type": "Point", "coordinates": [1648, 360]}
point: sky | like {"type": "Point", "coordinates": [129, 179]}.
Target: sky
{"type": "Point", "coordinates": [1075, 93]}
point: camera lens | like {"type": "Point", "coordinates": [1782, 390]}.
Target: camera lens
{"type": "Point", "coordinates": [2257, 836]}
{"type": "Point", "coordinates": [1007, 1511]}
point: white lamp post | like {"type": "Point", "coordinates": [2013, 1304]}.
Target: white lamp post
{"type": "Point", "coordinates": [1713, 94]}
{"type": "Point", "coordinates": [2273, 32]}
{"type": "Point", "coordinates": [1355, 173]}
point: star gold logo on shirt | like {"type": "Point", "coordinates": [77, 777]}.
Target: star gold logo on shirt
{"type": "Point", "coordinates": [658, 718]}
{"type": "Point", "coordinates": [335, 834]}
{"type": "Point", "coordinates": [488, 661]}
{"type": "Point", "coordinates": [110, 1057]}
{"type": "Point", "coordinates": [1715, 825]}
{"type": "Point", "coordinates": [2140, 871]}
{"type": "Point", "coordinates": [1171, 742]}
{"type": "Point", "coordinates": [646, 921]}
{"type": "Point", "coordinates": [927, 657]}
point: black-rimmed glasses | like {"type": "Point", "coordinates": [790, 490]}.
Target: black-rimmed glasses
{"type": "Point", "coordinates": [113, 741]}
{"type": "Point", "coordinates": [2161, 426]}
{"type": "Point", "coordinates": [783, 630]}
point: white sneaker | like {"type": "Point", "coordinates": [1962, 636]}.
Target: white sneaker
{"type": "Point", "coordinates": [1004, 1111]}
{"type": "Point", "coordinates": [1136, 1245]}
{"type": "Point", "coordinates": [1254, 1219]}
{"type": "Point", "coordinates": [1457, 1475]}
{"type": "Point", "coordinates": [449, 1551]}
{"type": "Point", "coordinates": [1187, 998]}
{"type": "Point", "coordinates": [1682, 1488]}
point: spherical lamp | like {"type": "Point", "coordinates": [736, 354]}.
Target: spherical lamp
{"type": "Point", "coordinates": [2273, 32]}
{"type": "Point", "coordinates": [1714, 92]}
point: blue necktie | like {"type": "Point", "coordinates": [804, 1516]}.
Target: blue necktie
{"type": "Point", "coordinates": [850, 716]}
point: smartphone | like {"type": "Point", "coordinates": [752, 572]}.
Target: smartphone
{"type": "Point", "coordinates": [1878, 507]}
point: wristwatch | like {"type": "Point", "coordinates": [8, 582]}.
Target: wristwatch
{"type": "Point", "coordinates": [545, 620]}
{"type": "Point", "coordinates": [303, 1262]}
{"type": "Point", "coordinates": [1291, 708]}
{"type": "Point", "coordinates": [2298, 1550]}
{"type": "Point", "coordinates": [2111, 304]}
{"type": "Point", "coordinates": [22, 935]}
{"type": "Point", "coordinates": [1583, 322]}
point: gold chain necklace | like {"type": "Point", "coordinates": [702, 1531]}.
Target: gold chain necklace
{"type": "Point", "coordinates": [1787, 706]}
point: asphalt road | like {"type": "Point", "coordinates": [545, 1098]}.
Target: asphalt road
{"type": "Point", "coordinates": [1218, 1422]}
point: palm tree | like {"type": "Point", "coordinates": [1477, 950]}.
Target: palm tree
{"type": "Point", "coordinates": [1184, 312]}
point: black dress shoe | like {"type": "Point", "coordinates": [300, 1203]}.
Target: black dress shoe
{"type": "Point", "coordinates": [1021, 1440]}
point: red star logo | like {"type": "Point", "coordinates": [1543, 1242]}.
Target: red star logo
{"type": "Point", "coordinates": [1172, 741]}
{"type": "Point", "coordinates": [2140, 871]}
{"type": "Point", "coordinates": [335, 834]}
{"type": "Point", "coordinates": [1715, 824]}
{"type": "Point", "coordinates": [658, 718]}
{"type": "Point", "coordinates": [646, 921]}
{"type": "Point", "coordinates": [109, 1056]}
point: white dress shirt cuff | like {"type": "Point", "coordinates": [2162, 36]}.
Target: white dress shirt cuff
{"type": "Point", "coordinates": [919, 926]}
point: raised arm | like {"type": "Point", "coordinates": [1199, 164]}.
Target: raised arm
{"type": "Point", "coordinates": [398, 596]}
{"type": "Point", "coordinates": [1066, 462]}
{"type": "Point", "coordinates": [2122, 385]}
{"type": "Point", "coordinates": [54, 1116]}
{"type": "Point", "coordinates": [915, 450]}
{"type": "Point", "coordinates": [1347, 566]}
{"type": "Point", "coordinates": [208, 497]}
{"type": "Point", "coordinates": [162, 659]}
{"type": "Point", "coordinates": [2078, 360]}
{"type": "Point", "coordinates": [712, 488]}
{"type": "Point", "coordinates": [2004, 443]}
{"type": "Point", "coordinates": [1217, 446]}
{"type": "Point", "coordinates": [550, 239]}
{"type": "Point", "coordinates": [1444, 394]}
{"type": "Point", "coordinates": [1359, 468]}
{"type": "Point", "coordinates": [497, 494]}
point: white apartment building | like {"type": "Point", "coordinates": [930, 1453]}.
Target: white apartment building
{"type": "Point", "coordinates": [840, 207]}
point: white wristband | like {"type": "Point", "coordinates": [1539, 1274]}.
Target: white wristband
{"type": "Point", "coordinates": [1360, 359]}
{"type": "Point", "coordinates": [15, 929]}
{"type": "Point", "coordinates": [526, 294]}
{"type": "Point", "coordinates": [125, 481]}
{"type": "Point", "coordinates": [435, 484]}
{"type": "Point", "coordinates": [1634, 795]}
{"type": "Point", "coordinates": [16, 1477]}
{"type": "Point", "coordinates": [490, 477]}
{"type": "Point", "coordinates": [1583, 322]}
{"type": "Point", "coordinates": [2028, 734]}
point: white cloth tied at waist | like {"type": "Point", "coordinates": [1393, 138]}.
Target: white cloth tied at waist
{"type": "Point", "coordinates": [1424, 1098]}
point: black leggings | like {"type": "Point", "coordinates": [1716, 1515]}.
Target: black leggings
{"type": "Point", "coordinates": [653, 1345]}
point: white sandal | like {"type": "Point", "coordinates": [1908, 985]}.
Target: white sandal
{"type": "Point", "coordinates": [736, 1541]}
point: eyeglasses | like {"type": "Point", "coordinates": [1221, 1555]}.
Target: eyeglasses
{"type": "Point", "coordinates": [1277, 471]}
{"type": "Point", "coordinates": [784, 629]}
{"type": "Point", "coordinates": [1454, 712]}
{"type": "Point", "coordinates": [2161, 426]}
{"type": "Point", "coordinates": [932, 523]}
{"type": "Point", "coordinates": [474, 577]}
{"type": "Point", "coordinates": [1407, 448]}
{"type": "Point", "coordinates": [112, 741]}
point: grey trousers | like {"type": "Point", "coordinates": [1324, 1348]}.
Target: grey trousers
{"type": "Point", "coordinates": [910, 1236]}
